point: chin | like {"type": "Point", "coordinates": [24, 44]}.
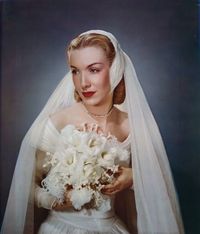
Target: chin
{"type": "Point", "coordinates": [92, 101]}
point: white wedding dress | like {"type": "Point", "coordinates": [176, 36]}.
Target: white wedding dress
{"type": "Point", "coordinates": [88, 221]}
{"type": "Point", "coordinates": [154, 193]}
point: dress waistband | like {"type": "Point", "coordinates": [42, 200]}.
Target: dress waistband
{"type": "Point", "coordinates": [85, 213]}
{"type": "Point", "coordinates": [103, 221]}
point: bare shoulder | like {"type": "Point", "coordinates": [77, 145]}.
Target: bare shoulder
{"type": "Point", "coordinates": [123, 121]}
{"type": "Point", "coordinates": [64, 116]}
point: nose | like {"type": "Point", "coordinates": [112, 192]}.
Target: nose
{"type": "Point", "coordinates": [85, 82]}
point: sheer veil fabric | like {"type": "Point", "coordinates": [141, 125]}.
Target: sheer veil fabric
{"type": "Point", "coordinates": [155, 196]}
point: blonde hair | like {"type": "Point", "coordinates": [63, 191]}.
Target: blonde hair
{"type": "Point", "coordinates": [95, 39]}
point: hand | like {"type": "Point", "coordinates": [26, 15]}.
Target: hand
{"type": "Point", "coordinates": [123, 181]}
{"type": "Point", "coordinates": [91, 127]}
{"type": "Point", "coordinates": [62, 206]}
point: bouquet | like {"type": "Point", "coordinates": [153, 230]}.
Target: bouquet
{"type": "Point", "coordinates": [83, 162]}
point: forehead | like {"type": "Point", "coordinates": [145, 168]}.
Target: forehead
{"type": "Point", "coordinates": [87, 55]}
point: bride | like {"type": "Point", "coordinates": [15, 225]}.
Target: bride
{"type": "Point", "coordinates": [100, 94]}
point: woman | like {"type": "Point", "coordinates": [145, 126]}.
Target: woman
{"type": "Point", "coordinates": [100, 71]}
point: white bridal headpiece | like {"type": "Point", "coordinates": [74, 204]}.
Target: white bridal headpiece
{"type": "Point", "coordinates": [155, 196]}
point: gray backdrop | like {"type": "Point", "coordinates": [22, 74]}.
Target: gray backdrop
{"type": "Point", "coordinates": [160, 36]}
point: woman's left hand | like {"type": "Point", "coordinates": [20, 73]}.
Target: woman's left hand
{"type": "Point", "coordinates": [123, 181]}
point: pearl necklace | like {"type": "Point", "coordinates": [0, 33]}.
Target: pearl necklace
{"type": "Point", "coordinates": [96, 115]}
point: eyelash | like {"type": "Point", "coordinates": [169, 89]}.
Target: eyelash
{"type": "Point", "coordinates": [74, 72]}
{"type": "Point", "coordinates": [92, 70]}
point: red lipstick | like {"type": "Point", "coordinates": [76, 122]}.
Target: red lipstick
{"type": "Point", "coordinates": [88, 94]}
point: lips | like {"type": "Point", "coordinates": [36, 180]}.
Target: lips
{"type": "Point", "coordinates": [88, 94]}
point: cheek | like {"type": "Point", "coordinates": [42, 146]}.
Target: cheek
{"type": "Point", "coordinates": [105, 82]}
{"type": "Point", "coordinates": [76, 83]}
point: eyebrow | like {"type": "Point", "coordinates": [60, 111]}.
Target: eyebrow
{"type": "Point", "coordinates": [90, 65]}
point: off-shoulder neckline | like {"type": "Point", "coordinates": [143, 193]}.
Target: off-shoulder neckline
{"type": "Point", "coordinates": [122, 143]}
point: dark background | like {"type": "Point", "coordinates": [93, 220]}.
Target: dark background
{"type": "Point", "coordinates": [160, 36]}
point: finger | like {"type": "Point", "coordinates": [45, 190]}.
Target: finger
{"type": "Point", "coordinates": [119, 171]}
{"type": "Point", "coordinates": [94, 127]}
{"type": "Point", "coordinates": [117, 174]}
{"type": "Point", "coordinates": [115, 183]}
{"type": "Point", "coordinates": [111, 192]}
{"type": "Point", "coordinates": [90, 127]}
{"type": "Point", "coordinates": [109, 186]}
{"type": "Point", "coordinates": [87, 127]}
{"type": "Point", "coordinates": [111, 189]}
{"type": "Point", "coordinates": [99, 130]}
{"type": "Point", "coordinates": [84, 126]}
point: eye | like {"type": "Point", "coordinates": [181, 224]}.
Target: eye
{"type": "Point", "coordinates": [94, 70]}
{"type": "Point", "coordinates": [74, 72]}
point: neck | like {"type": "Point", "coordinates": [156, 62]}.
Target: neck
{"type": "Point", "coordinates": [99, 112]}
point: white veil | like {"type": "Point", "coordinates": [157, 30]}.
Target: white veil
{"type": "Point", "coordinates": [155, 196]}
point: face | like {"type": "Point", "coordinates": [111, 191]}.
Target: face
{"type": "Point", "coordinates": [90, 73]}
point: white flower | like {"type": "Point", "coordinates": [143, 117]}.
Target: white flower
{"type": "Point", "coordinates": [106, 160]}
{"type": "Point", "coordinates": [122, 156]}
{"type": "Point", "coordinates": [69, 157]}
{"type": "Point", "coordinates": [85, 161]}
{"type": "Point", "coordinates": [93, 173]}
{"type": "Point", "coordinates": [96, 144]}
{"type": "Point", "coordinates": [105, 205]}
{"type": "Point", "coordinates": [88, 170]}
{"type": "Point", "coordinates": [102, 202]}
{"type": "Point", "coordinates": [80, 197]}
{"type": "Point", "coordinates": [78, 139]}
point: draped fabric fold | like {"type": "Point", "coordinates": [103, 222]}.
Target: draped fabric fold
{"type": "Point", "coordinates": [155, 196]}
